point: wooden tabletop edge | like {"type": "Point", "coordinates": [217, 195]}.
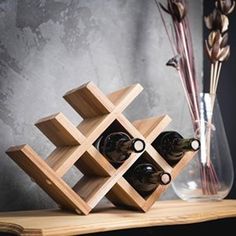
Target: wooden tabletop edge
{"type": "Point", "coordinates": [163, 213]}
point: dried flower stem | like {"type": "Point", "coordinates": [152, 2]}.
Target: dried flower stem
{"type": "Point", "coordinates": [186, 70]}
{"type": "Point", "coordinates": [167, 33]}
{"type": "Point", "coordinates": [193, 88]}
{"type": "Point", "coordinates": [186, 95]}
{"type": "Point", "coordinates": [209, 179]}
{"type": "Point", "coordinates": [216, 77]}
{"type": "Point", "coordinates": [211, 76]}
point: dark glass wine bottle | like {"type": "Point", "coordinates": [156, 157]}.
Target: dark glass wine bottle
{"type": "Point", "coordinates": [145, 178]}
{"type": "Point", "coordinates": [117, 146]}
{"type": "Point", "coordinates": [172, 146]}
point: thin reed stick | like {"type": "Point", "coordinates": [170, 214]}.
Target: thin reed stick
{"type": "Point", "coordinates": [167, 33]}
{"type": "Point", "coordinates": [193, 89]}
{"type": "Point", "coordinates": [217, 77]}
{"type": "Point", "coordinates": [189, 102]}
{"type": "Point", "coordinates": [211, 76]}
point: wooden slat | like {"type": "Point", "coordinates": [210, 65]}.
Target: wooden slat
{"type": "Point", "coordinates": [93, 163]}
{"type": "Point", "coordinates": [188, 156]}
{"type": "Point", "coordinates": [89, 101]}
{"type": "Point", "coordinates": [124, 195]}
{"type": "Point", "coordinates": [45, 177]}
{"type": "Point", "coordinates": [150, 128]}
{"type": "Point", "coordinates": [60, 130]}
{"type": "Point", "coordinates": [101, 167]}
{"type": "Point", "coordinates": [87, 126]}
{"type": "Point", "coordinates": [85, 157]}
{"type": "Point", "coordinates": [123, 97]}
{"type": "Point", "coordinates": [128, 126]}
{"type": "Point", "coordinates": [63, 158]}
{"type": "Point", "coordinates": [158, 158]}
{"type": "Point", "coordinates": [93, 128]}
{"type": "Point", "coordinates": [109, 218]}
{"type": "Point", "coordinates": [150, 200]}
{"type": "Point", "coordinates": [91, 187]}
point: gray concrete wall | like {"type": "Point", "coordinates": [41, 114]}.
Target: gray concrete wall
{"type": "Point", "coordinates": [49, 47]}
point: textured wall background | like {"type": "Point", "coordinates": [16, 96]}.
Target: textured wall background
{"type": "Point", "coordinates": [50, 47]}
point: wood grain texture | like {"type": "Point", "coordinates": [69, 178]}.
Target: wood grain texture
{"type": "Point", "coordinates": [47, 179]}
{"type": "Point", "coordinates": [125, 196]}
{"type": "Point", "coordinates": [75, 146]}
{"type": "Point", "coordinates": [158, 158]}
{"type": "Point", "coordinates": [90, 187]}
{"type": "Point", "coordinates": [89, 165]}
{"type": "Point", "coordinates": [188, 156]}
{"type": "Point", "coordinates": [89, 101]}
{"type": "Point", "coordinates": [88, 126]}
{"type": "Point", "coordinates": [109, 218]}
{"type": "Point", "coordinates": [150, 128]}
{"type": "Point", "coordinates": [123, 97]}
{"type": "Point", "coordinates": [59, 130]}
{"type": "Point", "coordinates": [60, 159]}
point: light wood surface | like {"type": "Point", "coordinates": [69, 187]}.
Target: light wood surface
{"type": "Point", "coordinates": [57, 223]}
{"type": "Point", "coordinates": [89, 101]}
{"type": "Point", "coordinates": [150, 128]}
{"type": "Point", "coordinates": [123, 97]}
{"type": "Point", "coordinates": [47, 179]}
{"type": "Point", "coordinates": [60, 130]}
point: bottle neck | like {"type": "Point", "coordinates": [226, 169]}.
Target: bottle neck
{"type": "Point", "coordinates": [134, 145]}
{"type": "Point", "coordinates": [183, 145]}
{"type": "Point", "coordinates": [160, 177]}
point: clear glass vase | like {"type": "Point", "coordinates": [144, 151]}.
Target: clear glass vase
{"type": "Point", "coordinates": [210, 174]}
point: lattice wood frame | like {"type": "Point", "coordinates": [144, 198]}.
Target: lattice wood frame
{"type": "Point", "coordinates": [74, 146]}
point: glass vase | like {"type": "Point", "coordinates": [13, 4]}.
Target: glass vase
{"type": "Point", "coordinates": [210, 174]}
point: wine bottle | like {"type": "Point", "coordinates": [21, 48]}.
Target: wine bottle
{"type": "Point", "coordinates": [117, 146]}
{"type": "Point", "coordinates": [172, 146]}
{"type": "Point", "coordinates": [145, 177]}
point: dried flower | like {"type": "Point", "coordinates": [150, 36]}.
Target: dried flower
{"type": "Point", "coordinates": [215, 35]}
{"type": "Point", "coordinates": [217, 21]}
{"type": "Point", "coordinates": [182, 47]}
{"type": "Point", "coordinates": [174, 62]}
{"type": "Point", "coordinates": [225, 6]}
{"type": "Point", "coordinates": [176, 8]}
{"type": "Point", "coordinates": [216, 46]}
{"type": "Point", "coordinates": [217, 50]}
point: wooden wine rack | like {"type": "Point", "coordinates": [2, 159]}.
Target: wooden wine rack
{"type": "Point", "coordinates": [74, 147]}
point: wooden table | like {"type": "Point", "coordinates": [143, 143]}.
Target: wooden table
{"type": "Point", "coordinates": [57, 222]}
